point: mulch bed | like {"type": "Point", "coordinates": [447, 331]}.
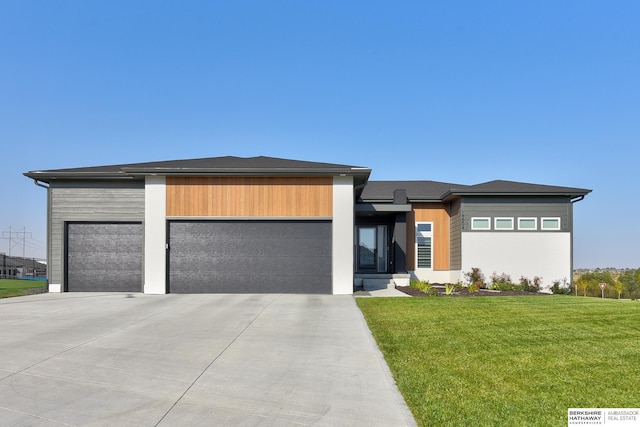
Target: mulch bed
{"type": "Point", "coordinates": [465, 293]}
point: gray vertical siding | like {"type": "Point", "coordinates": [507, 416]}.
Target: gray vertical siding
{"type": "Point", "coordinates": [455, 238]}
{"type": "Point", "coordinates": [87, 201]}
{"type": "Point", "coordinates": [515, 207]}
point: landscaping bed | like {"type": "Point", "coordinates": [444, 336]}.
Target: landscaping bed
{"type": "Point", "coordinates": [464, 292]}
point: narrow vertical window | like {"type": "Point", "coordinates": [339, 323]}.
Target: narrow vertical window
{"type": "Point", "coordinates": [424, 245]}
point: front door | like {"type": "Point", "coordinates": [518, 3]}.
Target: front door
{"type": "Point", "coordinates": [373, 254]}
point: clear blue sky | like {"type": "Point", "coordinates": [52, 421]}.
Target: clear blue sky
{"type": "Point", "coordinates": [459, 91]}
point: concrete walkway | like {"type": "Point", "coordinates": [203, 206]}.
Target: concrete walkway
{"type": "Point", "coordinates": [386, 292]}
{"type": "Point", "coordinates": [173, 360]}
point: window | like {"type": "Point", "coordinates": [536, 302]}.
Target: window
{"type": "Point", "coordinates": [424, 227]}
{"type": "Point", "coordinates": [527, 223]}
{"type": "Point", "coordinates": [550, 224]}
{"type": "Point", "coordinates": [424, 243]}
{"type": "Point", "coordinates": [480, 223]}
{"type": "Point", "coordinates": [503, 223]}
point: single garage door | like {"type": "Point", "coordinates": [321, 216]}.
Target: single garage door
{"type": "Point", "coordinates": [250, 257]}
{"type": "Point", "coordinates": [104, 257]}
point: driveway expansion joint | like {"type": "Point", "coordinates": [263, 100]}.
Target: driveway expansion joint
{"type": "Point", "coordinates": [216, 358]}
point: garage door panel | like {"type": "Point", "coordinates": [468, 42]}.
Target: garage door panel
{"type": "Point", "coordinates": [104, 257]}
{"type": "Point", "coordinates": [250, 256]}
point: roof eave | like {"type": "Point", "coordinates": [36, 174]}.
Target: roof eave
{"type": "Point", "coordinates": [46, 176]}
{"type": "Point", "coordinates": [247, 171]}
{"type": "Point", "coordinates": [133, 173]}
{"type": "Point", "coordinates": [569, 194]}
{"type": "Point", "coordinates": [409, 200]}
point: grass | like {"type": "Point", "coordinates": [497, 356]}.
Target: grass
{"type": "Point", "coordinates": [508, 360]}
{"type": "Point", "coordinates": [15, 288]}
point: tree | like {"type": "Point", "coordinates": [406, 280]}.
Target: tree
{"type": "Point", "coordinates": [589, 283]}
{"type": "Point", "coordinates": [618, 287]}
{"type": "Point", "coordinates": [630, 280]}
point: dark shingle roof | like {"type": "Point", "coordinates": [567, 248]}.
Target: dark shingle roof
{"type": "Point", "coordinates": [514, 188]}
{"type": "Point", "coordinates": [382, 191]}
{"type": "Point", "coordinates": [374, 191]}
{"type": "Point", "coordinates": [228, 165]}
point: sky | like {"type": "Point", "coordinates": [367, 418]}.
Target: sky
{"type": "Point", "coordinates": [544, 91]}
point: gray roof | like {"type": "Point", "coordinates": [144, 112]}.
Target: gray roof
{"type": "Point", "coordinates": [514, 188]}
{"type": "Point", "coordinates": [382, 191]}
{"type": "Point", "coordinates": [374, 191]}
{"type": "Point", "coordinates": [228, 165]}
{"type": "Point", "coordinates": [433, 191]}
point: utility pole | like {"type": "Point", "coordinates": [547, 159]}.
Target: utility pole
{"type": "Point", "coordinates": [4, 237]}
{"type": "Point", "coordinates": [16, 236]}
{"type": "Point", "coordinates": [24, 234]}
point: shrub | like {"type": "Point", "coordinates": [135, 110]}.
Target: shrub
{"type": "Point", "coordinates": [530, 285]}
{"type": "Point", "coordinates": [418, 284]}
{"type": "Point", "coordinates": [450, 288]}
{"type": "Point", "coordinates": [474, 279]}
{"type": "Point", "coordinates": [561, 287]}
{"type": "Point", "coordinates": [501, 282]}
{"type": "Point", "coordinates": [474, 287]}
{"type": "Point", "coordinates": [424, 287]}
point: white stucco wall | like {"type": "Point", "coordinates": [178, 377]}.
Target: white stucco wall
{"type": "Point", "coordinates": [342, 235]}
{"type": "Point", "coordinates": [547, 255]}
{"type": "Point", "coordinates": [155, 235]}
{"type": "Point", "coordinates": [433, 276]}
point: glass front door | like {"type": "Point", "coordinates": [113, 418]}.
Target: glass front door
{"type": "Point", "coordinates": [372, 248]}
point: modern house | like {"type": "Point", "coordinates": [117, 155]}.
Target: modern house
{"type": "Point", "coordinates": [269, 225]}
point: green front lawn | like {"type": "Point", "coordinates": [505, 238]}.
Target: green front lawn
{"type": "Point", "coordinates": [15, 288]}
{"type": "Point", "coordinates": [508, 361]}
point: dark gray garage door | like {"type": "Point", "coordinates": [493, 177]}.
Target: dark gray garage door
{"type": "Point", "coordinates": [250, 257]}
{"type": "Point", "coordinates": [104, 257]}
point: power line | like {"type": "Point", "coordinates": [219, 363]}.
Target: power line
{"type": "Point", "coordinates": [16, 238]}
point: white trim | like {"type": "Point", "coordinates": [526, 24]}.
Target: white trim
{"type": "Point", "coordinates": [342, 236]}
{"type": "Point", "coordinates": [542, 220]}
{"type": "Point", "coordinates": [485, 218]}
{"type": "Point", "coordinates": [502, 218]}
{"type": "Point", "coordinates": [527, 218]}
{"type": "Point", "coordinates": [155, 235]}
{"type": "Point", "coordinates": [436, 276]}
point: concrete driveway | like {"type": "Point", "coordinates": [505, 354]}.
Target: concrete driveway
{"type": "Point", "coordinates": [214, 360]}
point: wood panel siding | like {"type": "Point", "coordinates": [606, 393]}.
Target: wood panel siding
{"type": "Point", "coordinates": [437, 213]}
{"type": "Point", "coordinates": [249, 196]}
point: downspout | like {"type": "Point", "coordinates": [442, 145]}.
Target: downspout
{"type": "Point", "coordinates": [42, 184]}
{"type": "Point", "coordinates": [39, 184]}
{"type": "Point", "coordinates": [572, 201]}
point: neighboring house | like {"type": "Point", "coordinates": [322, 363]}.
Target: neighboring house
{"type": "Point", "coordinates": [268, 225]}
{"type": "Point", "coordinates": [12, 267]}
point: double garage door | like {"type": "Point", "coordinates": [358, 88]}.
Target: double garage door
{"type": "Point", "coordinates": [205, 257]}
